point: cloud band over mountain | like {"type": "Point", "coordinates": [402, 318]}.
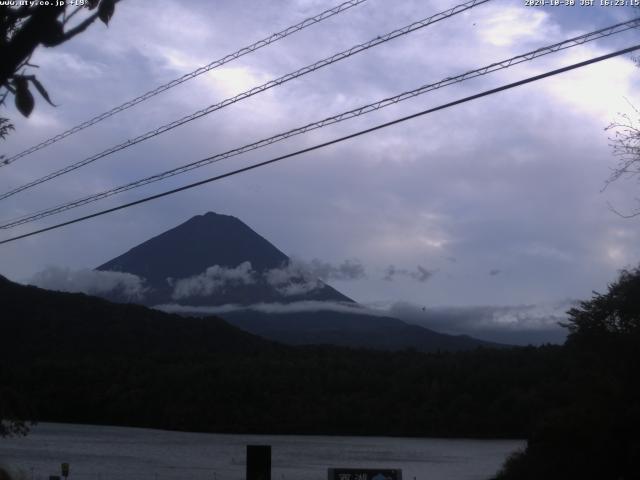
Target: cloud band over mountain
{"type": "Point", "coordinates": [91, 282]}
{"type": "Point", "coordinates": [511, 324]}
{"type": "Point", "coordinates": [275, 308]}
{"type": "Point", "coordinates": [212, 280]}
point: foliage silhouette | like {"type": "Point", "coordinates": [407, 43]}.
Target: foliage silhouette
{"type": "Point", "coordinates": [23, 28]}
{"type": "Point", "coordinates": [595, 432]}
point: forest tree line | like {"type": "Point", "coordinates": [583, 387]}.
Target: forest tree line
{"type": "Point", "coordinates": [73, 358]}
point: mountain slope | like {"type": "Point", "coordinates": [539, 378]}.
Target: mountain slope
{"type": "Point", "coordinates": [349, 330]}
{"type": "Point", "coordinates": [214, 240]}
{"type": "Point", "coordinates": [199, 243]}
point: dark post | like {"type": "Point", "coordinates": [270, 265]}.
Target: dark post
{"type": "Point", "coordinates": [258, 462]}
{"type": "Point", "coordinates": [64, 469]}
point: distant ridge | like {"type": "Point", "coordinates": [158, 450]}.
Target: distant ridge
{"type": "Point", "coordinates": [350, 330]}
{"type": "Point", "coordinates": [212, 239]}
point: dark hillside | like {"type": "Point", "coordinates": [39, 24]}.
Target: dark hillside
{"type": "Point", "coordinates": [349, 330]}
{"type": "Point", "coordinates": [39, 322]}
{"type": "Point", "coordinates": [75, 358]}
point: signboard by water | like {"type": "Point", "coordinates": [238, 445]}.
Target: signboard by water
{"type": "Point", "coordinates": [364, 474]}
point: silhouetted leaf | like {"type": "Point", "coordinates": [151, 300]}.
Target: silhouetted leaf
{"type": "Point", "coordinates": [42, 91]}
{"type": "Point", "coordinates": [52, 33]}
{"type": "Point", "coordinates": [105, 10]}
{"type": "Point", "coordinates": [24, 98]}
{"type": "Point", "coordinates": [5, 128]}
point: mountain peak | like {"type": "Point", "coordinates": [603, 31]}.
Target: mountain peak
{"type": "Point", "coordinates": [214, 217]}
{"type": "Point", "coordinates": [214, 220]}
{"type": "Point", "coordinates": [177, 268]}
{"type": "Point", "coordinates": [214, 214]}
{"type": "Point", "coordinates": [204, 241]}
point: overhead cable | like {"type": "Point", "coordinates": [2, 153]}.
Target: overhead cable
{"type": "Point", "coordinates": [254, 91]}
{"type": "Point", "coordinates": [188, 76]}
{"type": "Point", "coordinates": [362, 110]}
{"type": "Point", "coordinates": [331, 142]}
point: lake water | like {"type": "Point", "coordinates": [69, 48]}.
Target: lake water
{"type": "Point", "coordinates": [118, 453]}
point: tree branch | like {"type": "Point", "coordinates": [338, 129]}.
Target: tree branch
{"type": "Point", "coordinates": [81, 27]}
{"type": "Point", "coordinates": [70, 16]}
{"type": "Point", "coordinates": [633, 214]}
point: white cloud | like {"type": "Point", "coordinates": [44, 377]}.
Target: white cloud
{"type": "Point", "coordinates": [422, 231]}
{"type": "Point", "coordinates": [230, 81]}
{"type": "Point", "coordinates": [518, 324]}
{"type": "Point", "coordinates": [590, 90]}
{"type": "Point", "coordinates": [511, 324]}
{"type": "Point", "coordinates": [507, 26]}
{"type": "Point", "coordinates": [298, 277]}
{"type": "Point", "coordinates": [170, 35]}
{"type": "Point", "coordinates": [212, 280]}
{"type": "Point", "coordinates": [91, 282]}
{"type": "Point", "coordinates": [294, 307]}
{"type": "Point", "coordinates": [546, 251]}
{"type": "Point", "coordinates": [70, 63]}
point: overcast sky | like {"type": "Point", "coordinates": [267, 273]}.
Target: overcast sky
{"type": "Point", "coordinates": [498, 200]}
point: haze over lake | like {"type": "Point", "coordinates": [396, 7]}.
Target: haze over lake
{"type": "Point", "coordinates": [118, 453]}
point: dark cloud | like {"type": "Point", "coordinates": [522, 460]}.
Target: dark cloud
{"type": "Point", "coordinates": [420, 274]}
{"type": "Point", "coordinates": [347, 270]}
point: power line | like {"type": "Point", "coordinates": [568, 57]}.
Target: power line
{"type": "Point", "coordinates": [328, 121]}
{"type": "Point", "coordinates": [331, 142]}
{"type": "Point", "coordinates": [255, 90]}
{"type": "Point", "coordinates": [188, 76]}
